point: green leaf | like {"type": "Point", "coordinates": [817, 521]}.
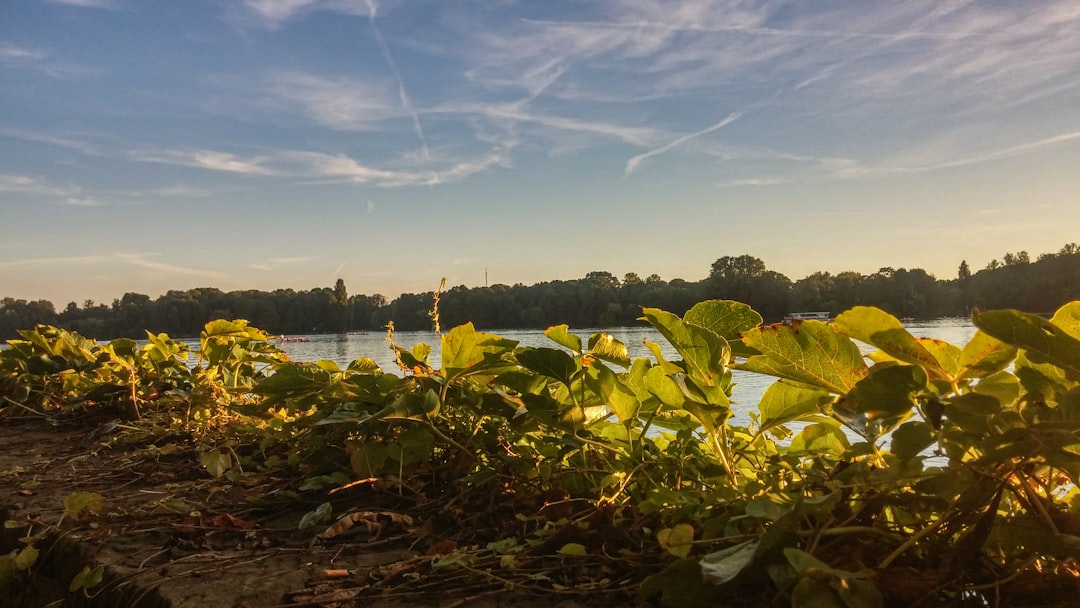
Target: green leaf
{"type": "Point", "coordinates": [560, 334]}
{"type": "Point", "coordinates": [549, 362]}
{"type": "Point", "coordinates": [574, 549]}
{"type": "Point", "coordinates": [364, 365]}
{"type": "Point", "coordinates": [784, 402]}
{"type": "Point", "coordinates": [804, 563]}
{"type": "Point", "coordinates": [411, 406]}
{"type": "Point", "coordinates": [1044, 341]}
{"type": "Point", "coordinates": [77, 503]}
{"type": "Point", "coordinates": [1068, 319]}
{"type": "Point", "coordinates": [878, 328]}
{"type": "Point", "coordinates": [677, 540]}
{"type": "Point", "coordinates": [1002, 386]}
{"type": "Point", "coordinates": [87, 578]}
{"type": "Point", "coordinates": [605, 347]}
{"type": "Point", "coordinates": [725, 318]}
{"type": "Point", "coordinates": [320, 515]}
{"type": "Point", "coordinates": [680, 584]}
{"type": "Point", "coordinates": [911, 438]}
{"type": "Point", "coordinates": [885, 396]}
{"type": "Point", "coordinates": [984, 355]}
{"type": "Point", "coordinates": [812, 593]}
{"type": "Point", "coordinates": [216, 461]}
{"type": "Point", "coordinates": [724, 565]}
{"type": "Point", "coordinates": [820, 438]}
{"type": "Point", "coordinates": [704, 353]}
{"type": "Point", "coordinates": [26, 557]}
{"type": "Point", "coordinates": [616, 395]}
{"type": "Point", "coordinates": [811, 352]}
{"type": "Point", "coordinates": [463, 348]}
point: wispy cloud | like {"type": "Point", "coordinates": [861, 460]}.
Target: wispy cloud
{"type": "Point", "coordinates": [142, 260]}
{"type": "Point", "coordinates": [277, 263]}
{"type": "Point", "coordinates": [138, 259]}
{"type": "Point", "coordinates": [346, 104]}
{"type": "Point", "coordinates": [272, 14]}
{"type": "Point", "coordinates": [35, 185]}
{"type": "Point", "coordinates": [99, 4]}
{"type": "Point", "coordinates": [635, 162]}
{"type": "Point", "coordinates": [62, 142]}
{"type": "Point", "coordinates": [403, 94]}
{"type": "Point", "coordinates": [205, 159]}
{"type": "Point", "coordinates": [11, 54]}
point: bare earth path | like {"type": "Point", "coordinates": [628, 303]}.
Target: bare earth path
{"type": "Point", "coordinates": [171, 536]}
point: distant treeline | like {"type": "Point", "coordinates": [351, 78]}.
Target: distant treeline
{"type": "Point", "coordinates": [600, 299]}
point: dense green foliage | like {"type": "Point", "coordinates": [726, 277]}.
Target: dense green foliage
{"type": "Point", "coordinates": [923, 473]}
{"type": "Point", "coordinates": [598, 300]}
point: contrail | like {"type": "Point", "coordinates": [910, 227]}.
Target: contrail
{"type": "Point", "coordinates": [633, 164]}
{"type": "Point", "coordinates": [403, 95]}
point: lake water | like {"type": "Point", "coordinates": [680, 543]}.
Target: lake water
{"type": "Point", "coordinates": [749, 388]}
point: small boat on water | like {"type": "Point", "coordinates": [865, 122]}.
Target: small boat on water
{"type": "Point", "coordinates": [807, 316]}
{"type": "Point", "coordinates": [293, 339]}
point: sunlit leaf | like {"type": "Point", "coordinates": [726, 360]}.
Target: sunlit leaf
{"type": "Point", "coordinates": [983, 355]}
{"type": "Point", "coordinates": [878, 328]}
{"type": "Point", "coordinates": [1044, 341]}
{"type": "Point", "coordinates": [605, 347]}
{"type": "Point", "coordinates": [725, 318]}
{"type": "Point", "coordinates": [560, 334]}
{"type": "Point", "coordinates": [463, 348]}
{"type": "Point", "coordinates": [704, 353]}
{"type": "Point", "coordinates": [820, 438]}
{"type": "Point", "coordinates": [616, 395]}
{"type": "Point", "coordinates": [677, 540]}
{"type": "Point", "coordinates": [574, 549]}
{"type": "Point", "coordinates": [784, 402]}
{"type": "Point", "coordinates": [811, 352]}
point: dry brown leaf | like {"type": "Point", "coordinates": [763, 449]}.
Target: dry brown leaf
{"type": "Point", "coordinates": [373, 521]}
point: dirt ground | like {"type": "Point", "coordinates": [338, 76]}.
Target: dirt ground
{"type": "Point", "coordinates": [169, 535]}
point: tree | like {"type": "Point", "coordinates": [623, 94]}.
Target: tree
{"type": "Point", "coordinates": [965, 271]}
{"type": "Point", "coordinates": [341, 306]}
{"type": "Point", "coordinates": [737, 268]}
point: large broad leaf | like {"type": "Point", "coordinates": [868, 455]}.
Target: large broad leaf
{"type": "Point", "coordinates": [605, 347]}
{"type": "Point", "coordinates": [810, 352]}
{"type": "Point", "coordinates": [784, 402]}
{"type": "Point", "coordinates": [878, 328]}
{"type": "Point", "coordinates": [1044, 341]}
{"type": "Point", "coordinates": [1068, 319]}
{"type": "Point", "coordinates": [549, 362]}
{"type": "Point", "coordinates": [560, 334]}
{"type": "Point", "coordinates": [984, 355]}
{"type": "Point", "coordinates": [725, 318]}
{"type": "Point", "coordinates": [464, 348]}
{"type": "Point", "coordinates": [292, 380]}
{"type": "Point", "coordinates": [618, 397]}
{"type": "Point", "coordinates": [886, 393]}
{"type": "Point", "coordinates": [704, 353]}
{"type": "Point", "coordinates": [820, 438]}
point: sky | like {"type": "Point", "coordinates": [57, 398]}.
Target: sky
{"type": "Point", "coordinates": [266, 144]}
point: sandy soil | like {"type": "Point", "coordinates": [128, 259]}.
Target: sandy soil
{"type": "Point", "coordinates": [171, 536]}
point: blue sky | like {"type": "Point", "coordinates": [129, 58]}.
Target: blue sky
{"type": "Point", "coordinates": [262, 144]}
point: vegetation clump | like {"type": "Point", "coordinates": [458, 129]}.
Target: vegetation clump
{"type": "Point", "coordinates": [923, 473]}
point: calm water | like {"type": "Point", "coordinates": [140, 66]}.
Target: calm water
{"type": "Point", "coordinates": [344, 349]}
